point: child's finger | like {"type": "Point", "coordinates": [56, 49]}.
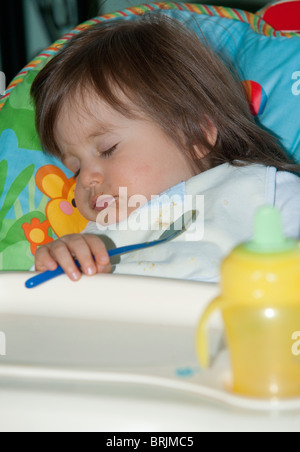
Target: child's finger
{"type": "Point", "coordinates": [99, 251]}
{"type": "Point", "coordinates": [62, 254]}
{"type": "Point", "coordinates": [78, 247]}
{"type": "Point", "coordinates": [43, 260]}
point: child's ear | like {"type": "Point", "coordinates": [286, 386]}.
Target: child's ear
{"type": "Point", "coordinates": [211, 134]}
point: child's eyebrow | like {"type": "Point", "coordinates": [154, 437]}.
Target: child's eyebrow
{"type": "Point", "coordinates": [101, 129]}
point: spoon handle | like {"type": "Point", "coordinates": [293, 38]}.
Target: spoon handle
{"type": "Point", "coordinates": [50, 274]}
{"type": "Point", "coordinates": [43, 277]}
{"type": "Point", "coordinates": [130, 248]}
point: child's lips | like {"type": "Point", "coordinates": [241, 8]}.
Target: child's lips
{"type": "Point", "coordinates": [102, 202]}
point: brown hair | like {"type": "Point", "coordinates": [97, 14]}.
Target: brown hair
{"type": "Point", "coordinates": [171, 76]}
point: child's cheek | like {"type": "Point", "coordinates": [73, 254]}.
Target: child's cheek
{"type": "Point", "coordinates": [80, 201]}
{"type": "Point", "coordinates": [129, 175]}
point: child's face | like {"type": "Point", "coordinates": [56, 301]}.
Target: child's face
{"type": "Point", "coordinates": [108, 151]}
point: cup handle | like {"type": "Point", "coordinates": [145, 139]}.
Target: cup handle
{"type": "Point", "coordinates": [202, 345]}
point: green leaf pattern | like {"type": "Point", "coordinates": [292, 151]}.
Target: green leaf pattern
{"type": "Point", "coordinates": [11, 231]}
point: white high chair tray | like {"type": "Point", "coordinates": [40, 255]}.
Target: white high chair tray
{"type": "Point", "coordinates": [117, 353]}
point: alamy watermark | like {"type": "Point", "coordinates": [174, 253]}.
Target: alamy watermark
{"type": "Point", "coordinates": [2, 83]}
{"type": "Point", "coordinates": [296, 344]}
{"type": "Point", "coordinates": [2, 344]}
{"type": "Point", "coordinates": [296, 84]}
{"type": "Point", "coordinates": [137, 213]}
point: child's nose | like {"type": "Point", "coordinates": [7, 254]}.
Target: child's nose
{"type": "Point", "coordinates": [91, 176]}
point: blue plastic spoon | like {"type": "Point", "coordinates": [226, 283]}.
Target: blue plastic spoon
{"type": "Point", "coordinates": [176, 228]}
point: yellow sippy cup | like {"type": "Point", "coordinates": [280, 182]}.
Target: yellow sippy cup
{"type": "Point", "coordinates": [260, 304]}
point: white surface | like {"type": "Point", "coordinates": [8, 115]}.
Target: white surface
{"type": "Point", "coordinates": [108, 297]}
{"type": "Point", "coordinates": [121, 359]}
{"type": "Point", "coordinates": [127, 409]}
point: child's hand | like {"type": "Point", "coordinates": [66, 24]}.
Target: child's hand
{"type": "Point", "coordinates": [81, 246]}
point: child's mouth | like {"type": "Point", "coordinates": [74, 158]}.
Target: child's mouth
{"type": "Point", "coordinates": [103, 201]}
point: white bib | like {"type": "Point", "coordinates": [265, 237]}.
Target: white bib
{"type": "Point", "coordinates": [226, 198]}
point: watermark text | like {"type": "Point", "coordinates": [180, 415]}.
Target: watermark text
{"type": "Point", "coordinates": [2, 83]}
{"type": "Point", "coordinates": [137, 213]}
{"type": "Point", "coordinates": [296, 85]}
{"type": "Point", "coordinates": [296, 344]}
{"type": "Point", "coordinates": [2, 344]}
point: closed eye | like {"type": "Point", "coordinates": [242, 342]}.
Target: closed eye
{"type": "Point", "coordinates": [109, 152]}
{"type": "Point", "coordinates": [105, 155]}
